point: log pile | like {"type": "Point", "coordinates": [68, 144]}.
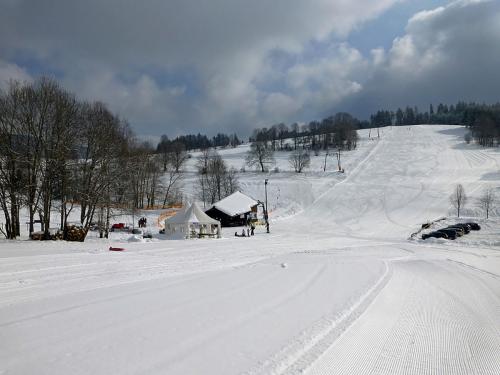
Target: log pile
{"type": "Point", "coordinates": [71, 233]}
{"type": "Point", "coordinates": [75, 233]}
{"type": "Point", "coordinates": [59, 236]}
{"type": "Point", "coordinates": [40, 236]}
{"type": "Point", "coordinates": [37, 236]}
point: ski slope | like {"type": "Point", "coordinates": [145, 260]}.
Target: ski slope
{"type": "Point", "coordinates": [337, 287]}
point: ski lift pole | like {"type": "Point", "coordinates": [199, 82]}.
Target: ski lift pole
{"type": "Point", "coordinates": [266, 215]}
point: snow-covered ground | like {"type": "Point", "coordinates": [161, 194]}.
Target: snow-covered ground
{"type": "Point", "coordinates": [337, 287]}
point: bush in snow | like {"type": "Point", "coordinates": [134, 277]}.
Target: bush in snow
{"type": "Point", "coordinates": [299, 160]}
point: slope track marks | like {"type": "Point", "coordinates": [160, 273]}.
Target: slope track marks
{"type": "Point", "coordinates": [310, 344]}
{"type": "Point", "coordinates": [429, 319]}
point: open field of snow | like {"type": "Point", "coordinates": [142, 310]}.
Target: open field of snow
{"type": "Point", "coordinates": [337, 287]}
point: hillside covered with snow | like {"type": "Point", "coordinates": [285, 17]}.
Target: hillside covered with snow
{"type": "Point", "coordinates": [339, 286]}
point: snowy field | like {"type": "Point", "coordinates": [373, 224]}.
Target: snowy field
{"type": "Point", "coordinates": [337, 287]}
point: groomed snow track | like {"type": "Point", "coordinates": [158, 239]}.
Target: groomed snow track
{"type": "Point", "coordinates": [334, 289]}
{"type": "Point", "coordinates": [432, 318]}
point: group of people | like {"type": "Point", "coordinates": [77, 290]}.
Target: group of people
{"type": "Point", "coordinates": [142, 222]}
{"type": "Point", "coordinates": [246, 233]}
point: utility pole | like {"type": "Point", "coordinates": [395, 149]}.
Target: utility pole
{"type": "Point", "coordinates": [266, 215]}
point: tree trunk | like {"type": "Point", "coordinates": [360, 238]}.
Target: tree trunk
{"type": "Point", "coordinates": [46, 218]}
{"type": "Point", "coordinates": [31, 219]}
{"type": "Point", "coordinates": [106, 230]}
{"type": "Point", "coordinates": [83, 212]}
{"type": "Point", "coordinates": [14, 217]}
{"type": "Point", "coordinates": [63, 213]}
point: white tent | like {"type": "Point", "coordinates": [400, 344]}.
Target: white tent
{"type": "Point", "coordinates": [192, 222]}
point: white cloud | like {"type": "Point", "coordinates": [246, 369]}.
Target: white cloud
{"type": "Point", "coordinates": [447, 54]}
{"type": "Point", "coordinates": [142, 101]}
{"type": "Point", "coordinates": [225, 43]}
{"type": "Point", "coordinates": [278, 106]}
{"type": "Point", "coordinates": [378, 56]}
{"type": "Point", "coordinates": [11, 72]}
{"type": "Point", "coordinates": [118, 52]}
{"type": "Point", "coordinates": [322, 83]}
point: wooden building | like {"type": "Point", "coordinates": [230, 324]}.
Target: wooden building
{"type": "Point", "coordinates": [235, 210]}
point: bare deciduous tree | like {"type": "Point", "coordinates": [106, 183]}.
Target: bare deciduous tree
{"type": "Point", "coordinates": [487, 201]}
{"type": "Point", "coordinates": [10, 161]}
{"type": "Point", "coordinates": [458, 198]}
{"type": "Point", "coordinates": [259, 154]}
{"type": "Point", "coordinates": [295, 134]}
{"type": "Point", "coordinates": [102, 142]}
{"type": "Point", "coordinates": [202, 161]}
{"type": "Point", "coordinates": [55, 151]}
{"type": "Point", "coordinates": [178, 155]}
{"type": "Point", "coordinates": [171, 182]}
{"type": "Point", "coordinates": [231, 183]}
{"type": "Point", "coordinates": [299, 160]}
{"type": "Point", "coordinates": [282, 130]}
{"type": "Point", "coordinates": [215, 180]}
{"type": "Point", "coordinates": [215, 177]}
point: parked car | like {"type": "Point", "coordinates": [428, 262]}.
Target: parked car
{"type": "Point", "coordinates": [464, 226]}
{"type": "Point", "coordinates": [117, 226]}
{"type": "Point", "coordinates": [474, 226]}
{"type": "Point", "coordinates": [460, 232]}
{"type": "Point", "coordinates": [434, 235]}
{"type": "Point", "coordinates": [452, 234]}
{"type": "Point", "coordinates": [137, 231]}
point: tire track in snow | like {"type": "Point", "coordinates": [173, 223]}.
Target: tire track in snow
{"type": "Point", "coordinates": [473, 268]}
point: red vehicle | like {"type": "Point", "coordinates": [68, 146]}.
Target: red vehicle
{"type": "Point", "coordinates": [117, 226]}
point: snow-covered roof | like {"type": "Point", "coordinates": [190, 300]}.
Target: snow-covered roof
{"type": "Point", "coordinates": [235, 204]}
{"type": "Point", "coordinates": [191, 214]}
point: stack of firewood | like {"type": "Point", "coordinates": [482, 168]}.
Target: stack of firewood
{"type": "Point", "coordinates": [37, 236]}
{"type": "Point", "coordinates": [40, 236]}
{"type": "Point", "coordinates": [75, 233]}
{"type": "Point", "coordinates": [58, 236]}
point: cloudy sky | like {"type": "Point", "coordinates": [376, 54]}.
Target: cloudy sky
{"type": "Point", "coordinates": [186, 66]}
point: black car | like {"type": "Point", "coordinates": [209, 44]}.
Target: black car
{"type": "Point", "coordinates": [460, 231]}
{"type": "Point", "coordinates": [451, 233]}
{"type": "Point", "coordinates": [464, 226]}
{"type": "Point", "coordinates": [474, 226]}
{"type": "Point", "coordinates": [434, 235]}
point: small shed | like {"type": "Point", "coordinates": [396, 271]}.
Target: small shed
{"type": "Point", "coordinates": [192, 222]}
{"type": "Point", "coordinates": [234, 210]}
